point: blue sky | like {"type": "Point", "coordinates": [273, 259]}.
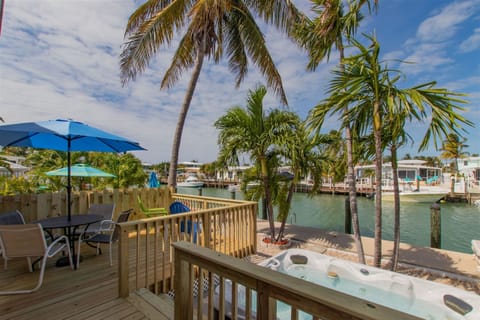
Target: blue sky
{"type": "Point", "coordinates": [60, 59]}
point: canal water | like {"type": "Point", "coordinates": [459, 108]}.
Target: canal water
{"type": "Point", "coordinates": [460, 221]}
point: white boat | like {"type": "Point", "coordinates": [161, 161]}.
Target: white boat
{"type": "Point", "coordinates": [233, 187]}
{"type": "Point", "coordinates": [191, 182]}
{"type": "Point", "coordinates": [425, 195]}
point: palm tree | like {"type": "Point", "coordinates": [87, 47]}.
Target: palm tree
{"type": "Point", "coordinates": [260, 135]}
{"type": "Point", "coordinates": [395, 136]}
{"type": "Point", "coordinates": [303, 156]}
{"type": "Point", "coordinates": [452, 148]}
{"type": "Point", "coordinates": [210, 30]}
{"type": "Point", "coordinates": [368, 86]}
{"type": "Point", "coordinates": [331, 28]}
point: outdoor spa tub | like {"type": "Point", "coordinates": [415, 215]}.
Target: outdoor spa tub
{"type": "Point", "coordinates": [421, 298]}
{"type": "Point", "coordinates": [418, 297]}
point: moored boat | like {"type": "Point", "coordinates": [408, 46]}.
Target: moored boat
{"type": "Point", "coordinates": [429, 195]}
{"type": "Point", "coordinates": [191, 182]}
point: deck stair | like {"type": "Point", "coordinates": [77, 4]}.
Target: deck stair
{"type": "Point", "coordinates": [152, 306]}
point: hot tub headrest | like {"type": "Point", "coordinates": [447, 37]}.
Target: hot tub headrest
{"type": "Point", "coordinates": [298, 259]}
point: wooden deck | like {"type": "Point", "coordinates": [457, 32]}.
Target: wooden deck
{"type": "Point", "coordinates": [90, 292]}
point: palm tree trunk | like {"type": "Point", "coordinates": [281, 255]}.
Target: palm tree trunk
{"type": "Point", "coordinates": [268, 197]}
{"type": "Point", "coordinates": [352, 190]}
{"type": "Point", "coordinates": [177, 138]}
{"type": "Point", "coordinates": [377, 255]}
{"type": "Point", "coordinates": [396, 210]}
{"type": "Point", "coordinates": [289, 201]}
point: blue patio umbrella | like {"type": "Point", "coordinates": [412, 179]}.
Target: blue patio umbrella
{"type": "Point", "coordinates": [63, 135]}
{"type": "Point", "coordinates": [153, 181]}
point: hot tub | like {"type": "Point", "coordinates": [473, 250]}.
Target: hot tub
{"type": "Point", "coordinates": [422, 298]}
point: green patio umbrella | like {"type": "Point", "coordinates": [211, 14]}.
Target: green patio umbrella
{"type": "Point", "coordinates": [80, 170]}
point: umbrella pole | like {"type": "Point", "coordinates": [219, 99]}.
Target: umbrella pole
{"type": "Point", "coordinates": [69, 183]}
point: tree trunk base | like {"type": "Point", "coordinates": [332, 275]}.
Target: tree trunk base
{"type": "Point", "coordinates": [282, 244]}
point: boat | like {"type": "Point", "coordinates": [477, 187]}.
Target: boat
{"type": "Point", "coordinates": [233, 187]}
{"type": "Point", "coordinates": [191, 182]}
{"type": "Point", "coordinates": [424, 195]}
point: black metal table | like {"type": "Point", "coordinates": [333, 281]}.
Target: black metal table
{"type": "Point", "coordinates": [69, 229]}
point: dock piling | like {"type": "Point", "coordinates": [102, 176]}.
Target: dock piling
{"type": "Point", "coordinates": [435, 226]}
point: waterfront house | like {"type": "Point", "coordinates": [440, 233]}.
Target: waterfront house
{"type": "Point", "coordinates": [232, 173]}
{"type": "Point", "coordinates": [15, 165]}
{"type": "Point", "coordinates": [470, 169]}
{"type": "Point", "coordinates": [409, 171]}
{"type": "Point", "coordinates": [189, 168]}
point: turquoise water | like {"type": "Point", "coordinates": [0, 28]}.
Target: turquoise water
{"type": "Point", "coordinates": [460, 222]}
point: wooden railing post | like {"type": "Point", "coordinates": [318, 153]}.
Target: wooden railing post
{"type": "Point", "coordinates": [181, 284]}
{"type": "Point", "coordinates": [123, 287]}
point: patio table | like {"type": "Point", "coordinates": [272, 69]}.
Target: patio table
{"type": "Point", "coordinates": [69, 229]}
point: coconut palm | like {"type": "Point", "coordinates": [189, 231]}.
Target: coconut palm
{"type": "Point", "coordinates": [332, 27]}
{"type": "Point", "coordinates": [365, 84]}
{"type": "Point", "coordinates": [258, 134]}
{"type": "Point", "coordinates": [210, 29]}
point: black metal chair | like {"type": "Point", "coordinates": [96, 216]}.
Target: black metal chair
{"type": "Point", "coordinates": [107, 234]}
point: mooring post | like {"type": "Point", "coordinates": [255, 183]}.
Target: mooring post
{"type": "Point", "coordinates": [200, 191]}
{"type": "Point", "coordinates": [348, 216]}
{"type": "Point", "coordinates": [232, 195]}
{"type": "Point", "coordinates": [435, 226]}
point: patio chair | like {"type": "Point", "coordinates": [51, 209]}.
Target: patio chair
{"type": "Point", "coordinates": [151, 212]}
{"type": "Point", "coordinates": [104, 209]}
{"type": "Point", "coordinates": [28, 241]}
{"type": "Point", "coordinates": [179, 207]}
{"type": "Point", "coordinates": [9, 218]}
{"type": "Point", "coordinates": [108, 234]}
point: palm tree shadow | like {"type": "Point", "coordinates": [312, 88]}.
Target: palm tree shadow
{"type": "Point", "coordinates": [419, 257]}
{"type": "Point", "coordinates": [426, 257]}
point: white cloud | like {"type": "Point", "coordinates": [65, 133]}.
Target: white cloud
{"type": "Point", "coordinates": [60, 59]}
{"type": "Point", "coordinates": [472, 43]}
{"type": "Point", "coordinates": [445, 24]}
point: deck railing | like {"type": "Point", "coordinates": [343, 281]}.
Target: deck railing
{"type": "Point", "coordinates": [225, 226]}
{"type": "Point", "coordinates": [211, 285]}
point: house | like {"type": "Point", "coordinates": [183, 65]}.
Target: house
{"type": "Point", "coordinates": [232, 173]}
{"type": "Point", "coordinates": [408, 171]}
{"type": "Point", "coordinates": [189, 168]}
{"type": "Point", "coordinates": [470, 168]}
{"type": "Point", "coordinates": [14, 164]}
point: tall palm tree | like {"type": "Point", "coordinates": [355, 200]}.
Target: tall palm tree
{"type": "Point", "coordinates": [395, 136]}
{"type": "Point", "coordinates": [259, 134]}
{"type": "Point", "coordinates": [211, 28]}
{"type": "Point", "coordinates": [332, 27]}
{"type": "Point", "coordinates": [368, 86]}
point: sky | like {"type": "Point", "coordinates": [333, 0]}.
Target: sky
{"type": "Point", "coordinates": [60, 59]}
